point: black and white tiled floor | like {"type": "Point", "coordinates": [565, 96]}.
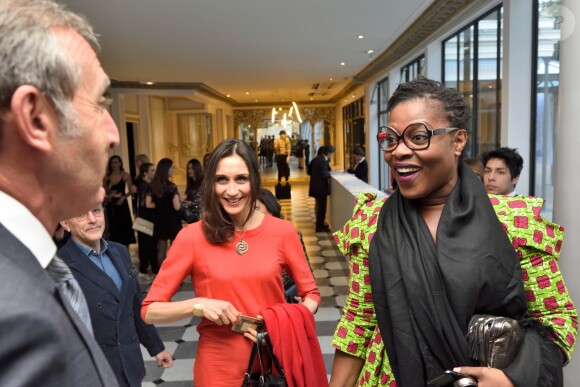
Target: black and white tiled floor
{"type": "Point", "coordinates": [330, 271]}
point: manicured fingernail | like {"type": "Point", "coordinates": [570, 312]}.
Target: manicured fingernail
{"type": "Point", "coordinates": [457, 369]}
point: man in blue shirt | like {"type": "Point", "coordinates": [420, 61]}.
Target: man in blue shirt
{"type": "Point", "coordinates": [104, 272]}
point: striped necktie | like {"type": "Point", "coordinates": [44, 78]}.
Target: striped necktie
{"type": "Point", "coordinates": [70, 288]}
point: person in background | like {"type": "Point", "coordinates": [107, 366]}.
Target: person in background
{"type": "Point", "coordinates": [138, 160]}
{"type": "Point", "coordinates": [206, 159]}
{"type": "Point", "coordinates": [502, 171]}
{"type": "Point", "coordinates": [146, 243]}
{"type": "Point", "coordinates": [476, 166]}
{"type": "Point", "coordinates": [103, 270]}
{"type": "Point", "coordinates": [235, 256]}
{"type": "Point", "coordinates": [118, 185]}
{"type": "Point", "coordinates": [268, 204]}
{"type": "Point", "coordinates": [319, 186]}
{"type": "Point", "coordinates": [164, 197]}
{"type": "Point", "coordinates": [306, 153]}
{"type": "Point", "coordinates": [435, 253]}
{"type": "Point", "coordinates": [55, 136]}
{"type": "Point", "coordinates": [193, 188]}
{"type": "Point", "coordinates": [282, 149]}
{"type": "Point", "coordinates": [361, 167]}
{"type": "Point", "coordinates": [300, 153]}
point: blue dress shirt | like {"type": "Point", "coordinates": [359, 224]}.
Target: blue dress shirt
{"type": "Point", "coordinates": [102, 261]}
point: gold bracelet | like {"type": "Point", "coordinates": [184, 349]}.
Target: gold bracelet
{"type": "Point", "coordinates": [198, 310]}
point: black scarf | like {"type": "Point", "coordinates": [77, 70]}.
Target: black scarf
{"type": "Point", "coordinates": [425, 293]}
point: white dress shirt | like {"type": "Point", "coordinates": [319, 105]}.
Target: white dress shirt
{"type": "Point", "coordinates": [27, 229]}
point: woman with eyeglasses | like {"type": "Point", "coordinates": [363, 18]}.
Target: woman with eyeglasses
{"type": "Point", "coordinates": [437, 252]}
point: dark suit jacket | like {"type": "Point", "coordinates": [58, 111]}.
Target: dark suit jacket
{"type": "Point", "coordinates": [116, 317]}
{"type": "Point", "coordinates": [319, 174]}
{"type": "Point", "coordinates": [42, 340]}
{"type": "Point", "coordinates": [361, 170]}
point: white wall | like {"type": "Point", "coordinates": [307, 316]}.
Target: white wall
{"type": "Point", "coordinates": [566, 169]}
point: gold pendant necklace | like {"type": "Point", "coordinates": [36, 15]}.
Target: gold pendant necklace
{"type": "Point", "coordinates": [242, 245]}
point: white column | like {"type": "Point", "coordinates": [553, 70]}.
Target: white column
{"type": "Point", "coordinates": [566, 181]}
{"type": "Point", "coordinates": [516, 88]}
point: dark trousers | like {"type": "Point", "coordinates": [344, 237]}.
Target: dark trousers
{"type": "Point", "coordinates": [147, 253]}
{"type": "Point", "coordinates": [320, 202]}
{"type": "Point", "coordinates": [283, 167]}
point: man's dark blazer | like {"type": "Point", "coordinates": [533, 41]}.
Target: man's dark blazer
{"type": "Point", "coordinates": [361, 170]}
{"type": "Point", "coordinates": [116, 316]}
{"type": "Point", "coordinates": [319, 174]}
{"type": "Point", "coordinates": [42, 340]}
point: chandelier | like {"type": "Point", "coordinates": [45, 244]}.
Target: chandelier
{"type": "Point", "coordinates": [287, 118]}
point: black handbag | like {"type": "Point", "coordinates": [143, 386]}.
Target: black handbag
{"type": "Point", "coordinates": [264, 377]}
{"type": "Point", "coordinates": [494, 341]}
{"type": "Point", "coordinates": [189, 214]}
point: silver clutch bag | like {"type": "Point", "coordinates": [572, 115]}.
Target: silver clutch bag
{"type": "Point", "coordinates": [494, 341]}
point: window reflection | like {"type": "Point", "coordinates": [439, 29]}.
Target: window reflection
{"type": "Point", "coordinates": [472, 64]}
{"type": "Point", "coordinates": [548, 35]}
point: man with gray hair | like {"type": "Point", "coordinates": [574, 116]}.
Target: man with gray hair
{"type": "Point", "coordinates": [55, 137]}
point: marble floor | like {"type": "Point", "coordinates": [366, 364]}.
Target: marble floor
{"type": "Point", "coordinates": [330, 271]}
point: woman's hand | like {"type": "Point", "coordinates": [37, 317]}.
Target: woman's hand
{"type": "Point", "coordinates": [121, 200]}
{"type": "Point", "coordinates": [310, 304]}
{"type": "Point", "coordinates": [218, 311]}
{"type": "Point", "coordinates": [115, 194]}
{"type": "Point", "coordinates": [486, 377]}
{"type": "Point", "coordinates": [252, 334]}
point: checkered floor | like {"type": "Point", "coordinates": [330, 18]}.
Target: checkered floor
{"type": "Point", "coordinates": [330, 271]}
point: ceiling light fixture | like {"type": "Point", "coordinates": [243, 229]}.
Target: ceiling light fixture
{"type": "Point", "coordinates": [342, 63]}
{"type": "Point", "coordinates": [361, 36]}
{"type": "Point", "coordinates": [287, 118]}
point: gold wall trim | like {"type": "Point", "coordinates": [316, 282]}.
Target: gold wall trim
{"type": "Point", "coordinates": [255, 117]}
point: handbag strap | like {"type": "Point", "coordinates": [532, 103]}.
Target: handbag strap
{"type": "Point", "coordinates": [257, 351]}
{"type": "Point", "coordinates": [270, 349]}
{"type": "Point", "coordinates": [250, 365]}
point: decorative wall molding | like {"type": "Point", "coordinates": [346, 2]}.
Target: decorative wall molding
{"type": "Point", "coordinates": [256, 117]}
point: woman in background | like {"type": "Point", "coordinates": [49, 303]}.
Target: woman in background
{"type": "Point", "coordinates": [118, 186]}
{"type": "Point", "coordinates": [268, 204]}
{"type": "Point", "coordinates": [164, 197]}
{"type": "Point", "coordinates": [193, 189]}
{"type": "Point", "coordinates": [147, 244]}
{"type": "Point", "coordinates": [235, 256]}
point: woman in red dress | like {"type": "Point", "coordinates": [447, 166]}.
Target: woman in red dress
{"type": "Point", "coordinates": [235, 257]}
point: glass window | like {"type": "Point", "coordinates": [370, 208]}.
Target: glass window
{"type": "Point", "coordinates": [413, 69]}
{"type": "Point", "coordinates": [382, 93]}
{"type": "Point", "coordinates": [472, 64]}
{"type": "Point", "coordinates": [354, 129]}
{"type": "Point", "coordinates": [545, 84]}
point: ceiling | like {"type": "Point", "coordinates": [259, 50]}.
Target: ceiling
{"type": "Point", "coordinates": [252, 51]}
